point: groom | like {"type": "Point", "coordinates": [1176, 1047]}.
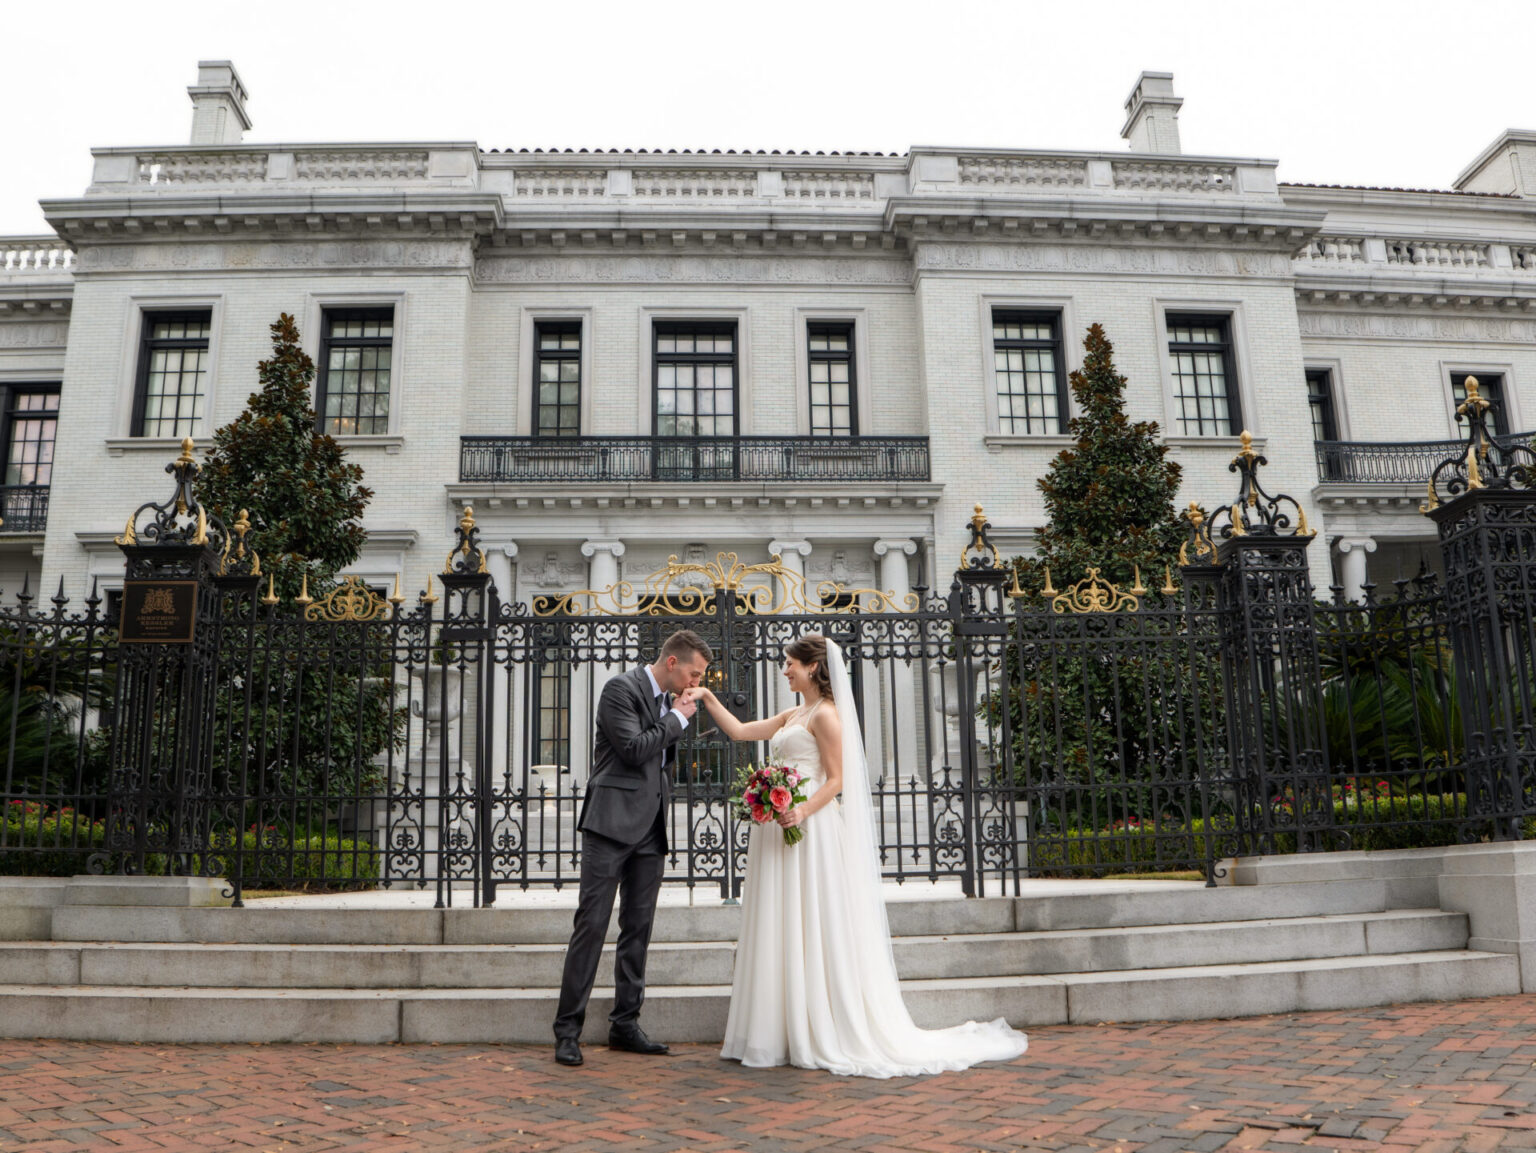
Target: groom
{"type": "Point", "coordinates": [624, 838]}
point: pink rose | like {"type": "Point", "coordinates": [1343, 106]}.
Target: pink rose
{"type": "Point", "coordinates": [780, 798]}
{"type": "Point", "coordinates": [792, 777]}
{"type": "Point", "coordinates": [759, 814]}
{"type": "Point", "coordinates": [751, 798]}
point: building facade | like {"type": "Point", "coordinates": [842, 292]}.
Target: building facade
{"type": "Point", "coordinates": [616, 357]}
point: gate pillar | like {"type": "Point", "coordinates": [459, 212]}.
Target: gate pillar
{"type": "Point", "coordinates": [978, 605]}
{"type": "Point", "coordinates": [469, 610]}
{"type": "Point", "coordinates": [161, 791]}
{"type": "Point", "coordinates": [1278, 743]}
{"type": "Point", "coordinates": [1484, 507]}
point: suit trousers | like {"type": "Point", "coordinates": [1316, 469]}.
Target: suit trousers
{"type": "Point", "coordinates": [635, 872]}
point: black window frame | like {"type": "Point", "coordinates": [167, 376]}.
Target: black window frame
{"type": "Point", "coordinates": [11, 414]}
{"type": "Point", "coordinates": [541, 328]}
{"type": "Point", "coordinates": [1055, 345]}
{"type": "Point", "coordinates": [1223, 321]}
{"type": "Point", "coordinates": [363, 312]}
{"type": "Point", "coordinates": [661, 328]}
{"type": "Point", "coordinates": [844, 329]}
{"type": "Point", "coordinates": [1498, 408]}
{"type": "Point", "coordinates": [1322, 404]}
{"type": "Point", "coordinates": [148, 343]}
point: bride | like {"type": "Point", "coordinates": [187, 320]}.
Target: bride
{"type": "Point", "coordinates": [815, 982]}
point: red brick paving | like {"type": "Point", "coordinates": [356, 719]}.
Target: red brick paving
{"type": "Point", "coordinates": [1438, 1078]}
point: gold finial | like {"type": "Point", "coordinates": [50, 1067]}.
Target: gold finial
{"type": "Point", "coordinates": [241, 527]}
{"type": "Point", "coordinates": [1183, 552]}
{"type": "Point", "coordinates": [186, 451]}
{"type": "Point", "coordinates": [1302, 528]}
{"type": "Point", "coordinates": [1048, 592]}
{"type": "Point", "coordinates": [1246, 452]}
{"type": "Point", "coordinates": [1434, 498]}
{"type": "Point", "coordinates": [1237, 521]}
{"type": "Point", "coordinates": [467, 522]}
{"type": "Point", "coordinates": [978, 518]}
{"type": "Point", "coordinates": [271, 597]}
{"type": "Point", "coordinates": [427, 598]}
{"type": "Point", "coordinates": [128, 536]}
{"type": "Point", "coordinates": [1475, 403]}
{"type": "Point", "coordinates": [1138, 589]}
{"type": "Point", "coordinates": [1168, 590]}
{"type": "Point", "coordinates": [1016, 592]}
{"type": "Point", "coordinates": [399, 598]}
{"type": "Point", "coordinates": [201, 535]}
{"type": "Point", "coordinates": [304, 598]}
{"type": "Point", "coordinates": [1474, 474]}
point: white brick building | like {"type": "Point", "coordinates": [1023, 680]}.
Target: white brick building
{"type": "Point", "coordinates": [436, 282]}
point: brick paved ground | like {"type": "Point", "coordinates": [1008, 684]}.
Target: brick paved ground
{"type": "Point", "coordinates": [1425, 1077]}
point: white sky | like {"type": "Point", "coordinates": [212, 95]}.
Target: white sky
{"type": "Point", "coordinates": [1400, 93]}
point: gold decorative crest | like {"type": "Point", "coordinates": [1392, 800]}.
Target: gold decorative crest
{"type": "Point", "coordinates": [1095, 595]}
{"type": "Point", "coordinates": [353, 601]}
{"type": "Point", "coordinates": [690, 589]}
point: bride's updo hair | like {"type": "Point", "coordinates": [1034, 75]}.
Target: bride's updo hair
{"type": "Point", "coordinates": [811, 649]}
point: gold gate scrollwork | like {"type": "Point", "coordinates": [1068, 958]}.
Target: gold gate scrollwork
{"type": "Point", "coordinates": [691, 588]}
{"type": "Point", "coordinates": [353, 601]}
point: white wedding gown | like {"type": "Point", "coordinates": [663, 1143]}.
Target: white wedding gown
{"type": "Point", "coordinates": [815, 985]}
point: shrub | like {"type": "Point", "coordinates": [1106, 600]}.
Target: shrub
{"type": "Point", "coordinates": [36, 841]}
{"type": "Point", "coordinates": [269, 859]}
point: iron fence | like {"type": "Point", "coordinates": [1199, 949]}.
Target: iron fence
{"type": "Point", "coordinates": [350, 739]}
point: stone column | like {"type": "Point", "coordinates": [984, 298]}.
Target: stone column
{"type": "Point", "coordinates": [896, 580]}
{"type": "Point", "coordinates": [1354, 550]}
{"type": "Point", "coordinates": [585, 690]}
{"type": "Point", "coordinates": [791, 554]}
{"type": "Point", "coordinates": [506, 680]}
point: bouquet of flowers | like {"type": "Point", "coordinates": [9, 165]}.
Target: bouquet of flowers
{"type": "Point", "coordinates": [764, 793]}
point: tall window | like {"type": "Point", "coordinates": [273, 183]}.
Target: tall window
{"type": "Point", "coordinates": [833, 411]}
{"type": "Point", "coordinates": [173, 373]}
{"type": "Point", "coordinates": [1490, 386]}
{"type": "Point", "coordinates": [1031, 386]}
{"type": "Point", "coordinates": [557, 369]}
{"type": "Point", "coordinates": [1325, 424]}
{"type": "Point", "coordinates": [355, 356]}
{"type": "Point", "coordinates": [30, 419]}
{"type": "Point", "coordinates": [552, 741]}
{"type": "Point", "coordinates": [695, 365]}
{"type": "Point", "coordinates": [1204, 379]}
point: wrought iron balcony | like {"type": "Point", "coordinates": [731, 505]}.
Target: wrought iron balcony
{"type": "Point", "coordinates": [638, 459]}
{"type": "Point", "coordinates": [1366, 462]}
{"type": "Point", "coordinates": [24, 507]}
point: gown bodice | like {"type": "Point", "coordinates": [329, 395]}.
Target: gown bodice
{"type": "Point", "coordinates": [795, 747]}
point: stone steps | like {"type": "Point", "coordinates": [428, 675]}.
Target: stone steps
{"type": "Point", "coordinates": [684, 963]}
{"type": "Point", "coordinates": [697, 1013]}
{"type": "Point", "coordinates": [87, 968]}
{"type": "Point", "coordinates": [1150, 903]}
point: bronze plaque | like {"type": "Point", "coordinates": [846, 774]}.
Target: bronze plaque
{"type": "Point", "coordinates": [158, 612]}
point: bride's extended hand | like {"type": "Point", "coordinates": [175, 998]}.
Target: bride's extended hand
{"type": "Point", "coordinates": [792, 818]}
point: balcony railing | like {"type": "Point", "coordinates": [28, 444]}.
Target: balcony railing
{"type": "Point", "coordinates": [1366, 462]}
{"type": "Point", "coordinates": [673, 460]}
{"type": "Point", "coordinates": [24, 507]}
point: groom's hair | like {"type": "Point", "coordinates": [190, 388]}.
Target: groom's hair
{"type": "Point", "coordinates": [685, 641]}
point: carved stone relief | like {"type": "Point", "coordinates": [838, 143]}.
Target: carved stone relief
{"type": "Point", "coordinates": [691, 269]}
{"type": "Point", "coordinates": [48, 335]}
{"type": "Point", "coordinates": [259, 255]}
{"type": "Point", "coordinates": [1490, 329]}
{"type": "Point", "coordinates": [1094, 258]}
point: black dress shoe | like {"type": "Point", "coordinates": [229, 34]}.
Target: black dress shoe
{"type": "Point", "coordinates": [567, 1051]}
{"type": "Point", "coordinates": [634, 1040]}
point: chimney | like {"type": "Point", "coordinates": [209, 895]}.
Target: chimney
{"type": "Point", "coordinates": [1152, 115]}
{"type": "Point", "coordinates": [1506, 166]}
{"type": "Point", "coordinates": [218, 104]}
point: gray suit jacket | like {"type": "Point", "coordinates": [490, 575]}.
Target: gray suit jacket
{"type": "Point", "coordinates": [632, 748]}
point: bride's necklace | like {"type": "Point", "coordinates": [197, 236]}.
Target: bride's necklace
{"type": "Point", "coordinates": [803, 713]}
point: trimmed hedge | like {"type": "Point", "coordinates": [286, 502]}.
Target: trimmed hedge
{"type": "Point", "coordinates": [35, 842]}
{"type": "Point", "coordinates": [1388, 823]}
